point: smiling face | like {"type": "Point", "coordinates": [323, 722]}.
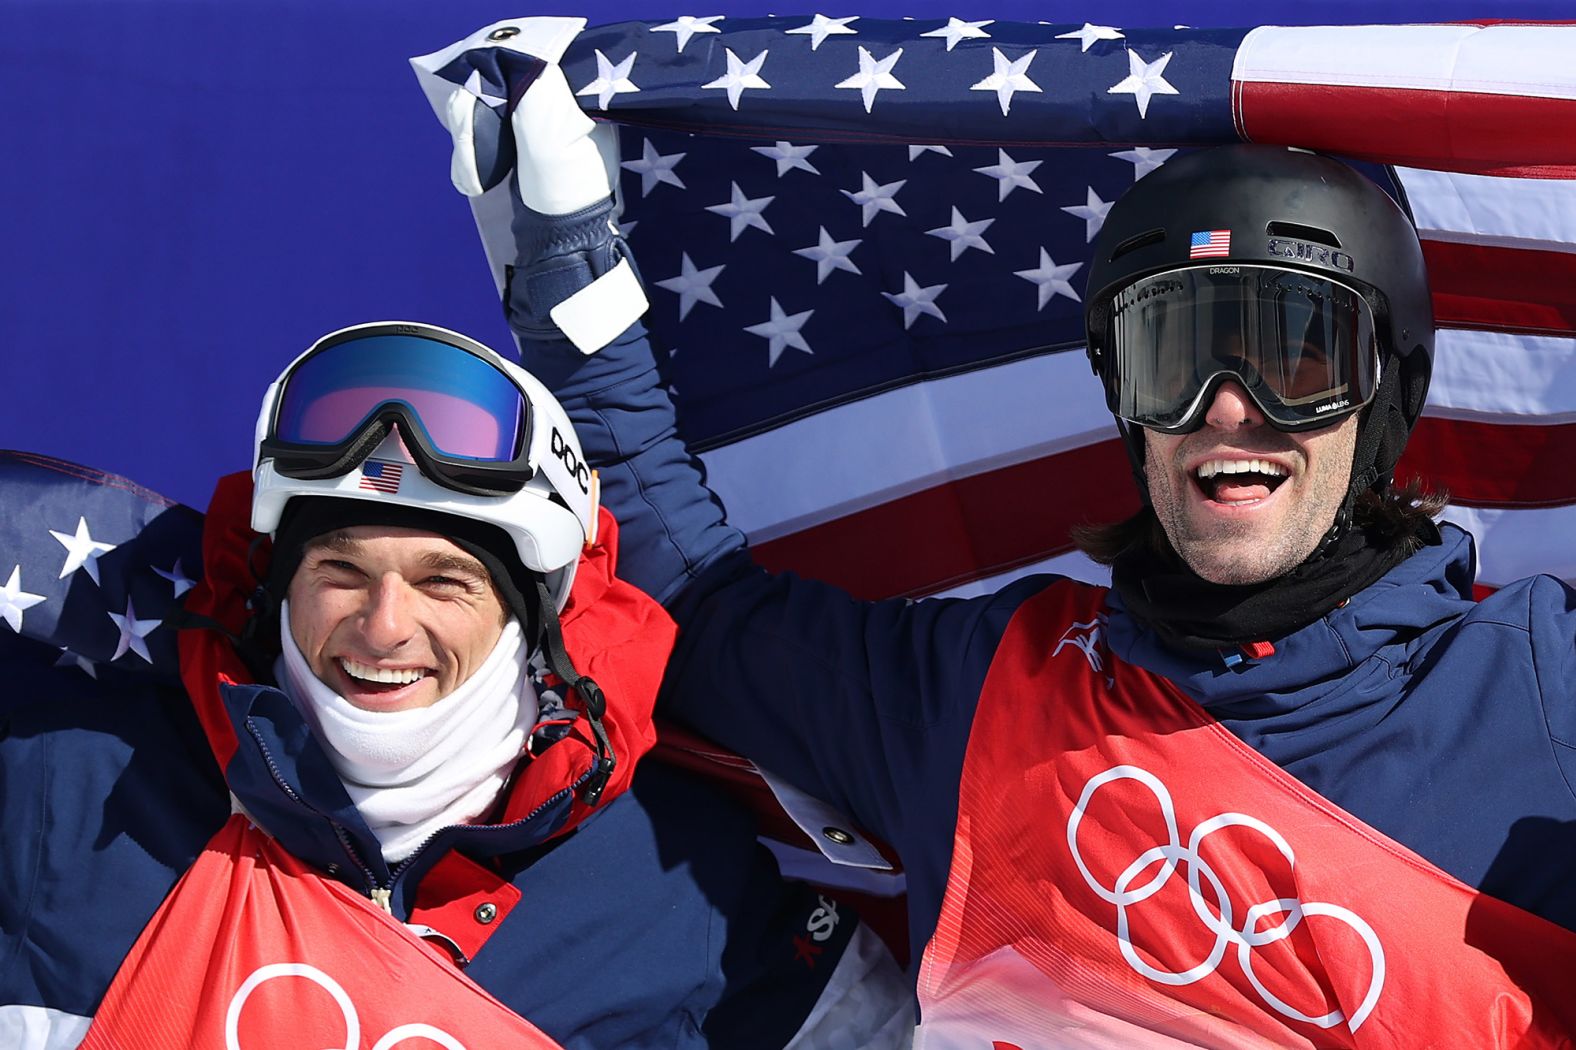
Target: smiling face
{"type": "Point", "coordinates": [1241, 501]}
{"type": "Point", "coordinates": [392, 618]}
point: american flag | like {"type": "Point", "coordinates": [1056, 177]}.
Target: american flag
{"type": "Point", "coordinates": [866, 243]}
{"type": "Point", "coordinates": [1206, 244]}
{"type": "Point", "coordinates": [91, 566]}
{"type": "Point", "coordinates": [378, 476]}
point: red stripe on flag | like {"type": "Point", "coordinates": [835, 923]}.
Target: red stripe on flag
{"type": "Point", "coordinates": [1501, 465]}
{"type": "Point", "coordinates": [1504, 289]}
{"type": "Point", "coordinates": [1474, 132]}
{"type": "Point", "coordinates": [965, 529]}
{"type": "Point", "coordinates": [990, 523]}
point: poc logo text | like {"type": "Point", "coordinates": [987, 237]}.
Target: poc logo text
{"type": "Point", "coordinates": [566, 455]}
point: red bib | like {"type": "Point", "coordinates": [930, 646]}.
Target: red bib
{"type": "Point", "coordinates": [254, 950]}
{"type": "Point", "coordinates": [1127, 873]}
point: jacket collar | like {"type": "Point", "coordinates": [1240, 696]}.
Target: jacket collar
{"type": "Point", "coordinates": [1316, 662]}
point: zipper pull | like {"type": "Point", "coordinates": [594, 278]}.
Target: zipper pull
{"type": "Point", "coordinates": [381, 897]}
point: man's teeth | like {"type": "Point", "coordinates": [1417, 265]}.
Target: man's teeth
{"type": "Point", "coordinates": [1240, 466]}
{"type": "Point", "coordinates": [391, 675]}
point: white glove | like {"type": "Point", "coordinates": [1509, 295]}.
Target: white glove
{"type": "Point", "coordinates": [562, 159]}
{"type": "Point", "coordinates": [566, 165]}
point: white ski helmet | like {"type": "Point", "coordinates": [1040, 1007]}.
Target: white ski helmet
{"type": "Point", "coordinates": [412, 415]}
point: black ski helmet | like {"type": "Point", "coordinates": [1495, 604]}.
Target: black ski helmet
{"type": "Point", "coordinates": [1293, 210]}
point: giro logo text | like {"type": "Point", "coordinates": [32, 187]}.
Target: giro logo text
{"type": "Point", "coordinates": [1302, 251]}
{"type": "Point", "coordinates": [1205, 911]}
{"type": "Point", "coordinates": [346, 1009]}
{"type": "Point", "coordinates": [566, 455]}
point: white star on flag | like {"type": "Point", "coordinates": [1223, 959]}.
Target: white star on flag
{"type": "Point", "coordinates": [82, 551]}
{"type": "Point", "coordinates": [874, 74]}
{"type": "Point", "coordinates": [1143, 159]}
{"type": "Point", "coordinates": [1010, 175]}
{"type": "Point", "coordinates": [686, 26]}
{"type": "Point", "coordinates": [742, 212]}
{"type": "Point", "coordinates": [915, 151]}
{"type": "Point", "coordinates": [830, 255]}
{"type": "Point", "coordinates": [872, 198]}
{"type": "Point", "coordinates": [181, 581]}
{"type": "Point", "coordinates": [1092, 212]}
{"type": "Point", "coordinates": [788, 157]}
{"type": "Point", "coordinates": [653, 167]}
{"type": "Point", "coordinates": [68, 658]}
{"type": "Point", "coordinates": [132, 633]}
{"type": "Point", "coordinates": [14, 601]}
{"type": "Point", "coordinates": [821, 27]}
{"type": "Point", "coordinates": [782, 331]}
{"type": "Point", "coordinates": [692, 285]}
{"type": "Point", "coordinates": [740, 75]}
{"type": "Point", "coordinates": [1090, 33]}
{"type": "Point", "coordinates": [610, 79]}
{"type": "Point", "coordinates": [956, 29]}
{"type": "Point", "coordinates": [1144, 80]}
{"type": "Point", "coordinates": [963, 234]}
{"type": "Point", "coordinates": [476, 86]}
{"type": "Point", "coordinates": [916, 300]}
{"type": "Point", "coordinates": [1050, 279]}
{"type": "Point", "coordinates": [1008, 77]}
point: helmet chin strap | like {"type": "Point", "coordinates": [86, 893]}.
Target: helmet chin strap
{"type": "Point", "coordinates": [1382, 433]}
{"type": "Point", "coordinates": [584, 687]}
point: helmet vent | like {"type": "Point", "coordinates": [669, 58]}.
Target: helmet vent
{"type": "Point", "coordinates": [1137, 241]}
{"type": "Point", "coordinates": [1297, 231]}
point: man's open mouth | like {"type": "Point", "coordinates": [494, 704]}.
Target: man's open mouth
{"type": "Point", "coordinates": [381, 679]}
{"type": "Point", "coordinates": [1238, 480]}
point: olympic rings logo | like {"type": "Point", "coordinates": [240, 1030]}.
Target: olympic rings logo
{"type": "Point", "coordinates": [347, 1009]}
{"type": "Point", "coordinates": [1245, 935]}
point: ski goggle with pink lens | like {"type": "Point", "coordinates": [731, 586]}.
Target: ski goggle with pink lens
{"type": "Point", "coordinates": [463, 419]}
{"type": "Point", "coordinates": [1302, 346]}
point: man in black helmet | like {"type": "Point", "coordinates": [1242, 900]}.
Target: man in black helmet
{"type": "Point", "coordinates": [1264, 378]}
{"type": "Point", "coordinates": [1283, 784]}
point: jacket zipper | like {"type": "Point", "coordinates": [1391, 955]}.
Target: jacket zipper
{"type": "Point", "coordinates": [380, 895]}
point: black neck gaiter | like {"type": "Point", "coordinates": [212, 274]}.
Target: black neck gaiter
{"type": "Point", "coordinates": [1189, 612]}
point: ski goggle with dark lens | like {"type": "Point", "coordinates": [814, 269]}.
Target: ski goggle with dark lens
{"type": "Point", "coordinates": [464, 421]}
{"type": "Point", "coordinates": [1302, 346]}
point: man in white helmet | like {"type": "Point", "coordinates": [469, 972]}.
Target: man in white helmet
{"type": "Point", "coordinates": [406, 797]}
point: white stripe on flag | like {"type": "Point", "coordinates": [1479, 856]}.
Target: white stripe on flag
{"type": "Point", "coordinates": [1496, 377]}
{"type": "Point", "coordinates": [1073, 563]}
{"type": "Point", "coordinates": [1512, 544]}
{"type": "Point", "coordinates": [879, 448]}
{"type": "Point", "coordinates": [1491, 60]}
{"type": "Point", "coordinates": [1487, 209]}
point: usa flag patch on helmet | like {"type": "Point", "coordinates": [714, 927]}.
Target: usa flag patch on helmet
{"type": "Point", "coordinates": [1207, 244]}
{"type": "Point", "coordinates": [378, 476]}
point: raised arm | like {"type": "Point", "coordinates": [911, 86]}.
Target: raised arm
{"type": "Point", "coordinates": [866, 705]}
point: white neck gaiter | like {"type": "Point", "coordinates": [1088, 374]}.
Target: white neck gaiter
{"type": "Point", "coordinates": [413, 772]}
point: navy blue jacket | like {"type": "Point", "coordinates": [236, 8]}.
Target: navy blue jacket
{"type": "Point", "coordinates": [658, 921]}
{"type": "Point", "coordinates": [1447, 724]}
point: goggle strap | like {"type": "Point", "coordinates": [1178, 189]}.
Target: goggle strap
{"type": "Point", "coordinates": [585, 687]}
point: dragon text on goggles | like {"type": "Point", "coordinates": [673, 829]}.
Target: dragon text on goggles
{"type": "Point", "coordinates": [1302, 346]}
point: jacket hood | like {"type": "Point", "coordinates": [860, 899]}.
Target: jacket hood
{"type": "Point", "coordinates": [613, 632]}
